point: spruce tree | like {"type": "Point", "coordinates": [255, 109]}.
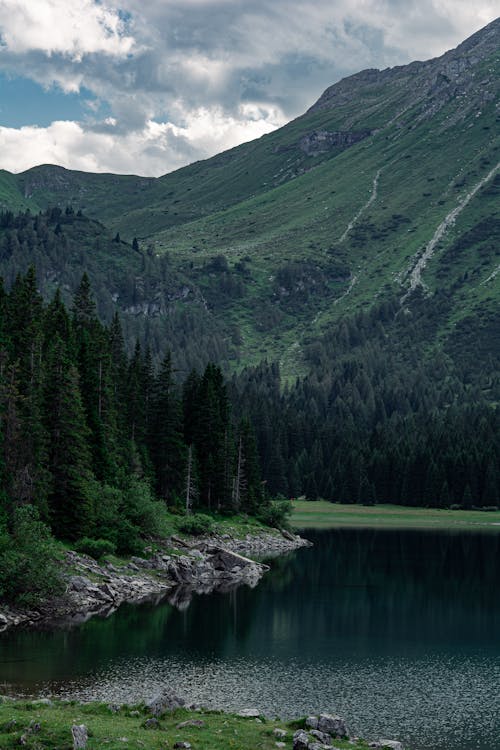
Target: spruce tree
{"type": "Point", "coordinates": [70, 455]}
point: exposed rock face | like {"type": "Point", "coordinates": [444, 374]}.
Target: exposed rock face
{"type": "Point", "coordinates": [216, 563]}
{"type": "Point", "coordinates": [322, 141]}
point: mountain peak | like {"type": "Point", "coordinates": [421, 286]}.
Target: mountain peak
{"type": "Point", "coordinates": [433, 81]}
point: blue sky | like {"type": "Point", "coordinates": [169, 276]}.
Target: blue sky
{"type": "Point", "coordinates": [25, 102]}
{"type": "Point", "coordinates": [146, 87]}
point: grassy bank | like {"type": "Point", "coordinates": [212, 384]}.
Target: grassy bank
{"type": "Point", "coordinates": [324, 515]}
{"type": "Point", "coordinates": [49, 726]}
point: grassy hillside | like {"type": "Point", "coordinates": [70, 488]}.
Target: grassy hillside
{"type": "Point", "coordinates": [389, 182]}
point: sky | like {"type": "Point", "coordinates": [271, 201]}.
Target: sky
{"type": "Point", "coordinates": [147, 86]}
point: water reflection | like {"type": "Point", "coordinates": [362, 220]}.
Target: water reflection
{"type": "Point", "coordinates": [397, 630]}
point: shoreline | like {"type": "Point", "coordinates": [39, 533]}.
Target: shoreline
{"type": "Point", "coordinates": [175, 570]}
{"type": "Point", "coordinates": [166, 721]}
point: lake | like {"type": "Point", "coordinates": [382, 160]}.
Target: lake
{"type": "Point", "coordinates": [397, 631]}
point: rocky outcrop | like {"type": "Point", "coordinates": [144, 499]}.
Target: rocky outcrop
{"type": "Point", "coordinates": [175, 572]}
{"type": "Point", "coordinates": [322, 141]}
{"type": "Point", "coordinates": [421, 89]}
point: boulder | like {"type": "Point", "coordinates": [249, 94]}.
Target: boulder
{"type": "Point", "coordinates": [300, 740]}
{"type": "Point", "coordinates": [79, 583]}
{"type": "Point", "coordinates": [390, 744]}
{"type": "Point", "coordinates": [224, 559]}
{"type": "Point", "coordinates": [151, 724]}
{"type": "Point", "coordinates": [312, 722]}
{"type": "Point", "coordinates": [165, 701]}
{"type": "Point", "coordinates": [322, 737]}
{"type": "Point", "coordinates": [191, 723]}
{"type": "Point", "coordinates": [182, 745]}
{"type": "Point", "coordinates": [249, 713]}
{"type": "Point", "coordinates": [80, 736]}
{"type": "Point", "coordinates": [333, 725]}
{"type": "Point", "coordinates": [280, 734]}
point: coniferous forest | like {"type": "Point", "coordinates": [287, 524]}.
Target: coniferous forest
{"type": "Point", "coordinates": [95, 443]}
{"type": "Point", "coordinates": [383, 416]}
{"type": "Point", "coordinates": [99, 436]}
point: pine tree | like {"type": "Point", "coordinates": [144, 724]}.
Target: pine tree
{"type": "Point", "coordinates": [166, 435]}
{"type": "Point", "coordinates": [69, 456]}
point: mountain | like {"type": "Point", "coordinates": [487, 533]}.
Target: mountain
{"type": "Point", "coordinates": [387, 187]}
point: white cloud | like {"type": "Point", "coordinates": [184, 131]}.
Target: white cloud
{"type": "Point", "coordinates": [156, 149]}
{"type": "Point", "coordinates": [214, 72]}
{"type": "Point", "coordinates": [69, 28]}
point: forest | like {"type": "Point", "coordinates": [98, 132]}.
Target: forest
{"type": "Point", "coordinates": [95, 443]}
{"type": "Point", "coordinates": [99, 436]}
{"type": "Point", "coordinates": [384, 415]}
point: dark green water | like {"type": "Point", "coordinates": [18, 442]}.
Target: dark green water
{"type": "Point", "coordinates": [398, 631]}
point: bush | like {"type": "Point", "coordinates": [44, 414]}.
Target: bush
{"type": "Point", "coordinates": [276, 512]}
{"type": "Point", "coordinates": [140, 506]}
{"type": "Point", "coordinates": [123, 515]}
{"type": "Point", "coordinates": [195, 525]}
{"type": "Point", "coordinates": [29, 569]}
{"type": "Point", "coordinates": [96, 548]}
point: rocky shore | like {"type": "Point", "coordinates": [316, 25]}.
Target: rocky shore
{"type": "Point", "coordinates": [173, 570]}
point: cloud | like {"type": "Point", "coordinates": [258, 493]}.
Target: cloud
{"type": "Point", "coordinates": [156, 149]}
{"type": "Point", "coordinates": [189, 64]}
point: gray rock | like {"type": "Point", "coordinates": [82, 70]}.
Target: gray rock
{"type": "Point", "coordinates": [320, 746]}
{"type": "Point", "coordinates": [249, 713]}
{"type": "Point", "coordinates": [280, 733]}
{"type": "Point", "coordinates": [300, 740]}
{"type": "Point", "coordinates": [79, 583]}
{"type": "Point", "coordinates": [391, 744]}
{"type": "Point", "coordinates": [165, 701]}
{"type": "Point", "coordinates": [182, 745]}
{"type": "Point", "coordinates": [333, 725]}
{"type": "Point", "coordinates": [191, 723]}
{"type": "Point", "coordinates": [80, 736]}
{"type": "Point", "coordinates": [280, 744]}
{"type": "Point", "coordinates": [151, 724]}
{"type": "Point", "coordinates": [322, 737]}
{"type": "Point", "coordinates": [312, 722]}
{"type": "Point", "coordinates": [224, 559]}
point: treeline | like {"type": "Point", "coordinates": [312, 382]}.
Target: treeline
{"type": "Point", "coordinates": [157, 303]}
{"type": "Point", "coordinates": [96, 440]}
{"type": "Point", "coordinates": [383, 416]}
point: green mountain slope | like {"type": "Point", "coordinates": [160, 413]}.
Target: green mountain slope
{"type": "Point", "coordinates": [389, 183]}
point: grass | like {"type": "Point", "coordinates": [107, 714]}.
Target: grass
{"type": "Point", "coordinates": [321, 514]}
{"type": "Point", "coordinates": [270, 202]}
{"type": "Point", "coordinates": [125, 728]}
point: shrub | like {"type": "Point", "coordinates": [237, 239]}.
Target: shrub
{"type": "Point", "coordinates": [96, 548]}
{"type": "Point", "coordinates": [195, 525]}
{"type": "Point", "coordinates": [29, 570]}
{"type": "Point", "coordinates": [276, 512]}
{"type": "Point", "coordinates": [140, 507]}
